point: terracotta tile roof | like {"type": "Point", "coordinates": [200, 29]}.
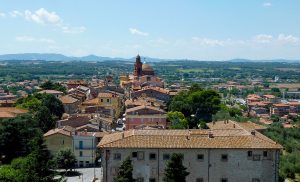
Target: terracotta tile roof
{"type": "Point", "coordinates": [158, 89]}
{"type": "Point", "coordinates": [50, 92]}
{"type": "Point", "coordinates": [64, 131]}
{"type": "Point", "coordinates": [136, 102]}
{"type": "Point", "coordinates": [252, 126]}
{"type": "Point", "coordinates": [294, 103]}
{"type": "Point", "coordinates": [91, 102]}
{"type": "Point", "coordinates": [105, 95]}
{"type": "Point", "coordinates": [280, 105]}
{"type": "Point", "coordinates": [81, 82]}
{"type": "Point", "coordinates": [100, 134]}
{"type": "Point", "coordinates": [91, 126]}
{"type": "Point", "coordinates": [262, 104]}
{"type": "Point", "coordinates": [144, 107]}
{"type": "Point", "coordinates": [254, 96]}
{"type": "Point", "coordinates": [74, 121]}
{"type": "Point", "coordinates": [7, 101]}
{"type": "Point", "coordinates": [68, 99]}
{"type": "Point", "coordinates": [270, 96]}
{"type": "Point", "coordinates": [225, 138]}
{"type": "Point", "coordinates": [235, 125]}
{"type": "Point", "coordinates": [11, 112]}
{"type": "Point", "coordinates": [4, 114]}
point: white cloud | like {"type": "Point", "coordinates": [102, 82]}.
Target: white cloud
{"type": "Point", "coordinates": [208, 42]}
{"type": "Point", "coordinates": [288, 38]}
{"type": "Point", "coordinates": [267, 4]}
{"type": "Point", "coordinates": [26, 38]}
{"type": "Point", "coordinates": [135, 31]}
{"type": "Point", "coordinates": [45, 17]}
{"type": "Point", "coordinates": [263, 38]}
{"type": "Point", "coordinates": [42, 16]}
{"type": "Point", "coordinates": [16, 13]}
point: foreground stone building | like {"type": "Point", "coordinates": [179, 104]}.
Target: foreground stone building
{"type": "Point", "coordinates": [220, 155]}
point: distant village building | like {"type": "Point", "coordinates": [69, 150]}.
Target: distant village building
{"type": "Point", "coordinates": [280, 109]}
{"type": "Point", "coordinates": [145, 116]}
{"type": "Point", "coordinates": [81, 141]}
{"type": "Point", "coordinates": [59, 139]}
{"type": "Point", "coordinates": [70, 104]}
{"type": "Point", "coordinates": [152, 92]}
{"type": "Point", "coordinates": [271, 98]}
{"type": "Point", "coordinates": [233, 154]}
{"type": "Point", "coordinates": [75, 83]}
{"type": "Point", "coordinates": [143, 75]}
{"type": "Point", "coordinates": [84, 148]}
{"type": "Point", "coordinates": [294, 107]}
{"type": "Point", "coordinates": [52, 92]}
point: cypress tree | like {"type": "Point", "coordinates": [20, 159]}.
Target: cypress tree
{"type": "Point", "coordinates": [125, 172]}
{"type": "Point", "coordinates": [175, 170]}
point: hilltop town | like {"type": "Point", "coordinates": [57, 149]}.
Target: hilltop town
{"type": "Point", "coordinates": [218, 124]}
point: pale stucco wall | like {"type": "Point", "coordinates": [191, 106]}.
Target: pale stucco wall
{"type": "Point", "coordinates": [237, 168]}
{"type": "Point", "coordinates": [58, 142]}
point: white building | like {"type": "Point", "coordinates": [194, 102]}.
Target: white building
{"type": "Point", "coordinates": [84, 148]}
{"type": "Point", "coordinates": [217, 155]}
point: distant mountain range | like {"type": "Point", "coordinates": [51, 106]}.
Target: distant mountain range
{"type": "Point", "coordinates": [61, 57]}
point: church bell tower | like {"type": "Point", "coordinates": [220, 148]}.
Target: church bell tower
{"type": "Point", "coordinates": [138, 66]}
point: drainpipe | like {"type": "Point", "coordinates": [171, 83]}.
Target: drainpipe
{"type": "Point", "coordinates": [158, 164]}
{"type": "Point", "coordinates": [106, 164]}
{"type": "Point", "coordinates": [208, 165]}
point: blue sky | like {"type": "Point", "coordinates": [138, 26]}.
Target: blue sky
{"type": "Point", "coordinates": [192, 29]}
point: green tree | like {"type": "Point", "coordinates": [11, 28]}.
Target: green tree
{"type": "Point", "coordinates": [54, 105]}
{"type": "Point", "coordinates": [233, 112]}
{"type": "Point", "coordinates": [204, 104]}
{"type": "Point", "coordinates": [16, 135]}
{"type": "Point", "coordinates": [177, 119]}
{"type": "Point", "coordinates": [49, 85]}
{"type": "Point", "coordinates": [8, 174]}
{"type": "Point", "coordinates": [45, 119]}
{"type": "Point", "coordinates": [125, 172]}
{"type": "Point", "coordinates": [35, 101]}
{"type": "Point", "coordinates": [65, 159]}
{"type": "Point", "coordinates": [180, 103]}
{"type": "Point", "coordinates": [46, 109]}
{"type": "Point", "coordinates": [36, 166]}
{"type": "Point", "coordinates": [175, 171]}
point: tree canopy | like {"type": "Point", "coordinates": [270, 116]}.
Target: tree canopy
{"type": "Point", "coordinates": [290, 139]}
{"type": "Point", "coordinates": [22, 145]}
{"type": "Point", "coordinates": [177, 119]}
{"type": "Point", "coordinates": [16, 135]}
{"type": "Point", "coordinates": [197, 104]}
{"type": "Point", "coordinates": [65, 159]}
{"type": "Point", "coordinates": [49, 85]}
{"type": "Point", "coordinates": [46, 109]}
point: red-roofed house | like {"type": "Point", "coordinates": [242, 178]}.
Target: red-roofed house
{"type": "Point", "coordinates": [294, 107]}
{"type": "Point", "coordinates": [58, 139]}
{"type": "Point", "coordinates": [145, 115]}
{"type": "Point", "coordinates": [280, 109]}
